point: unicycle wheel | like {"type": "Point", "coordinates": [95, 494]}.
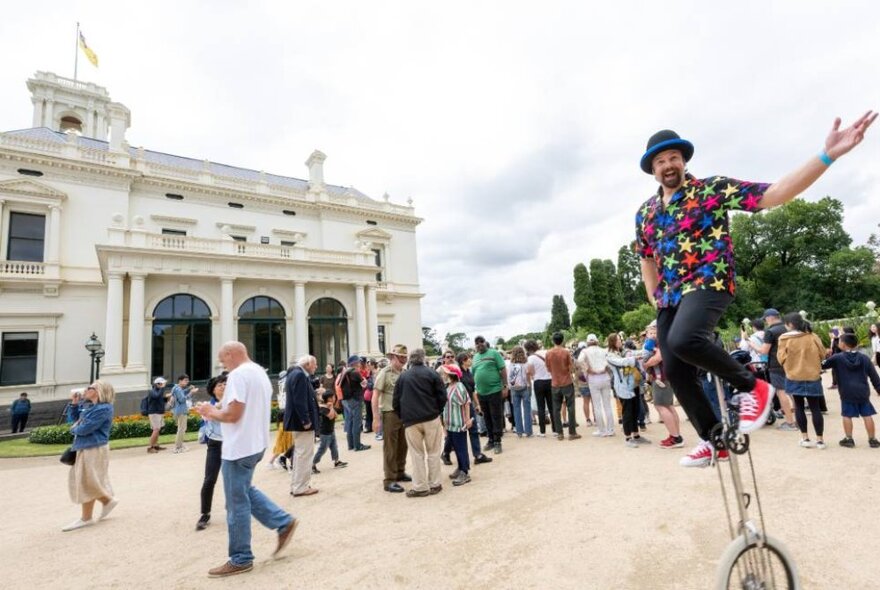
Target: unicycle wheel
{"type": "Point", "coordinates": [746, 566]}
{"type": "Point", "coordinates": [736, 443]}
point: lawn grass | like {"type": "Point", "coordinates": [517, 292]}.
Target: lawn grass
{"type": "Point", "coordinates": [20, 447]}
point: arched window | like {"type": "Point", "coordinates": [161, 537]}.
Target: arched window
{"type": "Point", "coordinates": [261, 328]}
{"type": "Point", "coordinates": [328, 331]}
{"type": "Point", "coordinates": [71, 123]}
{"type": "Point", "coordinates": [182, 338]}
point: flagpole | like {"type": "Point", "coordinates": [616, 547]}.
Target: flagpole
{"type": "Point", "coordinates": [76, 52]}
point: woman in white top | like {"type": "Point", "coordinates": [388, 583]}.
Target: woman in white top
{"type": "Point", "coordinates": [875, 342]}
{"type": "Point", "coordinates": [539, 379]}
{"type": "Point", "coordinates": [594, 361]}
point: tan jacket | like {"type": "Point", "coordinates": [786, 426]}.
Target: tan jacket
{"type": "Point", "coordinates": [801, 356]}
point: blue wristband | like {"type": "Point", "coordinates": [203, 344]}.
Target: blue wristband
{"type": "Point", "coordinates": [826, 159]}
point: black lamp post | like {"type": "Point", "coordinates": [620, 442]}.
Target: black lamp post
{"type": "Point", "coordinates": [96, 351]}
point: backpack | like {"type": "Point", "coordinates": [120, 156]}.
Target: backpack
{"type": "Point", "coordinates": [145, 405]}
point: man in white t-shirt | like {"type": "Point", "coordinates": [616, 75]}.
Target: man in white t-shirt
{"type": "Point", "coordinates": [244, 419]}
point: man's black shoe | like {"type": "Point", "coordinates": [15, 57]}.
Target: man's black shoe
{"type": "Point", "coordinates": [483, 459]}
{"type": "Point", "coordinates": [394, 488]}
{"type": "Point", "coordinates": [445, 458]}
{"type": "Point", "coordinates": [363, 448]}
{"type": "Point", "coordinates": [405, 477]}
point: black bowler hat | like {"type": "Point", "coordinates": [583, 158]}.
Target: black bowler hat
{"type": "Point", "coordinates": [665, 140]}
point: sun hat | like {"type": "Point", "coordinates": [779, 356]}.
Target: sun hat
{"type": "Point", "coordinates": [452, 370]}
{"type": "Point", "coordinates": [592, 338]}
{"type": "Point", "coordinates": [665, 140]}
{"type": "Point", "coordinates": [398, 350]}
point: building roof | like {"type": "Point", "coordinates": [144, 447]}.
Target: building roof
{"type": "Point", "coordinates": [46, 134]}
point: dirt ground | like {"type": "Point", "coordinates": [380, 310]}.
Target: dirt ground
{"type": "Point", "coordinates": [545, 514]}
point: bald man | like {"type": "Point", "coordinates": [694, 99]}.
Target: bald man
{"type": "Point", "coordinates": [244, 415]}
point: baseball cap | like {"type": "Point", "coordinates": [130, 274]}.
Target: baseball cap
{"type": "Point", "coordinates": [354, 359]}
{"type": "Point", "coordinates": [159, 380]}
{"type": "Point", "coordinates": [592, 338]}
{"type": "Point", "coordinates": [771, 312]}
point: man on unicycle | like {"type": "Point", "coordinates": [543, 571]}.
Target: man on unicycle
{"type": "Point", "coordinates": [683, 240]}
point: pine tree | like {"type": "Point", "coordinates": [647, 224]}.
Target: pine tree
{"type": "Point", "coordinates": [629, 273]}
{"type": "Point", "coordinates": [584, 315]}
{"type": "Point", "coordinates": [600, 284]}
{"type": "Point", "coordinates": [615, 298]}
{"type": "Point", "coordinates": [559, 317]}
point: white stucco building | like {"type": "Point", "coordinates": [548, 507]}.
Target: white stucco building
{"type": "Point", "coordinates": [166, 257]}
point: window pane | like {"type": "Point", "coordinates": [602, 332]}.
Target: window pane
{"type": "Point", "coordinates": [26, 225]}
{"type": "Point", "coordinates": [277, 358]}
{"type": "Point", "coordinates": [25, 250]}
{"type": "Point", "coordinates": [165, 309]}
{"type": "Point", "coordinates": [183, 306]}
{"type": "Point", "coordinates": [262, 345]}
{"type": "Point", "coordinates": [201, 347]}
{"type": "Point", "coordinates": [159, 347]}
{"type": "Point", "coordinates": [18, 363]}
{"type": "Point", "coordinates": [382, 339]}
{"type": "Point", "coordinates": [261, 306]}
{"type": "Point", "coordinates": [246, 334]}
{"type": "Point", "coordinates": [247, 309]}
{"type": "Point", "coordinates": [200, 309]}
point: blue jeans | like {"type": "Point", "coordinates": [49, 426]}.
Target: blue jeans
{"type": "Point", "coordinates": [522, 410]}
{"type": "Point", "coordinates": [354, 409]}
{"type": "Point", "coordinates": [459, 445]}
{"type": "Point", "coordinates": [243, 500]}
{"type": "Point", "coordinates": [328, 441]}
{"type": "Point", "coordinates": [474, 436]}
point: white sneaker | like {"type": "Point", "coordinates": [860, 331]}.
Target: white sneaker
{"type": "Point", "coordinates": [598, 433]}
{"type": "Point", "coordinates": [108, 508]}
{"type": "Point", "coordinates": [608, 433]}
{"type": "Point", "coordinates": [631, 443]}
{"type": "Point", "coordinates": [542, 435]}
{"type": "Point", "coordinates": [808, 444]}
{"type": "Point", "coordinates": [820, 444]}
{"type": "Point", "coordinates": [78, 524]}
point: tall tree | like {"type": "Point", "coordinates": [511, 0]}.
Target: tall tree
{"type": "Point", "coordinates": [559, 318]}
{"type": "Point", "coordinates": [615, 298]}
{"type": "Point", "coordinates": [629, 273]}
{"type": "Point", "coordinates": [584, 315]}
{"type": "Point", "coordinates": [429, 341]}
{"type": "Point", "coordinates": [600, 283]}
{"type": "Point", "coordinates": [457, 341]}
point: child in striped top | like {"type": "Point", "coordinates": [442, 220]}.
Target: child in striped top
{"type": "Point", "coordinates": [457, 418]}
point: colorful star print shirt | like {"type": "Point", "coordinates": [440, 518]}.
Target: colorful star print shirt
{"type": "Point", "coordinates": [689, 239]}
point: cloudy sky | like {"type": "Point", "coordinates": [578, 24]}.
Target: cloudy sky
{"type": "Point", "coordinates": [516, 127]}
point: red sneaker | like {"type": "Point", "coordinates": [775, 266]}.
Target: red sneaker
{"type": "Point", "coordinates": [670, 442]}
{"type": "Point", "coordinates": [754, 407]}
{"type": "Point", "coordinates": [701, 456]}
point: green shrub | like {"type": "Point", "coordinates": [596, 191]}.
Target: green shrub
{"type": "Point", "coordinates": [52, 435]}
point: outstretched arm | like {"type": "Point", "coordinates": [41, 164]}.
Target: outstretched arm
{"type": "Point", "coordinates": [838, 143]}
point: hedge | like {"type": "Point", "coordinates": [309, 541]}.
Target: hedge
{"type": "Point", "coordinates": [125, 427]}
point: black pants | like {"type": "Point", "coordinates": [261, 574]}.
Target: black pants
{"type": "Point", "coordinates": [544, 400]}
{"type": "Point", "coordinates": [212, 470]}
{"type": "Point", "coordinates": [800, 414]}
{"type": "Point", "coordinates": [368, 416]}
{"type": "Point", "coordinates": [493, 414]}
{"type": "Point", "coordinates": [563, 395]}
{"type": "Point", "coordinates": [19, 421]}
{"type": "Point", "coordinates": [630, 415]}
{"type": "Point", "coordinates": [686, 339]}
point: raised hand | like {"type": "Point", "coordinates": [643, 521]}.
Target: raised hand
{"type": "Point", "coordinates": [840, 141]}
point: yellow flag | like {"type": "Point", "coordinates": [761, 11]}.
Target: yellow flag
{"type": "Point", "coordinates": [89, 53]}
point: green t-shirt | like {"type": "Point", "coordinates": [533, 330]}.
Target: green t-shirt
{"type": "Point", "coordinates": [487, 371]}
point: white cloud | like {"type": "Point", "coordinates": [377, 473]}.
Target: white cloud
{"type": "Point", "coordinates": [516, 127]}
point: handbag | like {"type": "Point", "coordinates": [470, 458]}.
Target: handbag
{"type": "Point", "coordinates": [68, 457]}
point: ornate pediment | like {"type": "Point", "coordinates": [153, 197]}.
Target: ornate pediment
{"type": "Point", "coordinates": [373, 234]}
{"type": "Point", "coordinates": [31, 190]}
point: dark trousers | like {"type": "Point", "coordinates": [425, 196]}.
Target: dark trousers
{"type": "Point", "coordinates": [493, 413]}
{"type": "Point", "coordinates": [630, 415]}
{"type": "Point", "coordinates": [368, 416]}
{"type": "Point", "coordinates": [19, 421]}
{"type": "Point", "coordinates": [212, 470]}
{"type": "Point", "coordinates": [686, 339]}
{"type": "Point", "coordinates": [544, 400]}
{"type": "Point", "coordinates": [800, 414]}
{"type": "Point", "coordinates": [459, 442]}
{"type": "Point", "coordinates": [473, 434]}
{"type": "Point", "coordinates": [328, 441]}
{"type": "Point", "coordinates": [393, 447]}
{"type": "Point", "coordinates": [563, 395]}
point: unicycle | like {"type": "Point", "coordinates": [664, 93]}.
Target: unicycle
{"type": "Point", "coordinates": [753, 560]}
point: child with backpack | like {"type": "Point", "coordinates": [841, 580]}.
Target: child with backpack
{"type": "Point", "coordinates": [854, 370]}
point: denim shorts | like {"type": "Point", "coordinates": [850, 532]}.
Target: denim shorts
{"type": "Point", "coordinates": [856, 409]}
{"type": "Point", "coordinates": [584, 390]}
{"type": "Point", "coordinates": [804, 388]}
{"type": "Point", "coordinates": [777, 379]}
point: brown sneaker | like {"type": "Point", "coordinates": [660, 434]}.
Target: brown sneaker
{"type": "Point", "coordinates": [227, 569]}
{"type": "Point", "coordinates": [435, 489]}
{"type": "Point", "coordinates": [152, 450]}
{"type": "Point", "coordinates": [284, 536]}
{"type": "Point", "coordinates": [574, 436]}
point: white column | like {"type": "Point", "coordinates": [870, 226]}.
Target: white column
{"type": "Point", "coordinates": [372, 320]}
{"type": "Point", "coordinates": [300, 320]}
{"type": "Point", "coordinates": [113, 334]}
{"type": "Point", "coordinates": [54, 234]}
{"type": "Point", "coordinates": [38, 111]}
{"type": "Point", "coordinates": [289, 339]}
{"type": "Point", "coordinates": [136, 323]}
{"type": "Point", "coordinates": [227, 314]}
{"type": "Point", "coordinates": [361, 318]}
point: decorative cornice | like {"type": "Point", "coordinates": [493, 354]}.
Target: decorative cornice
{"type": "Point", "coordinates": [30, 188]}
{"type": "Point", "coordinates": [249, 229]}
{"type": "Point", "coordinates": [171, 219]}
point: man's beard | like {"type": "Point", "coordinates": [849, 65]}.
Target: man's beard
{"type": "Point", "coordinates": [673, 181]}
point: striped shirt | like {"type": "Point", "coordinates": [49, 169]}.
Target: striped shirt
{"type": "Point", "coordinates": [453, 412]}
